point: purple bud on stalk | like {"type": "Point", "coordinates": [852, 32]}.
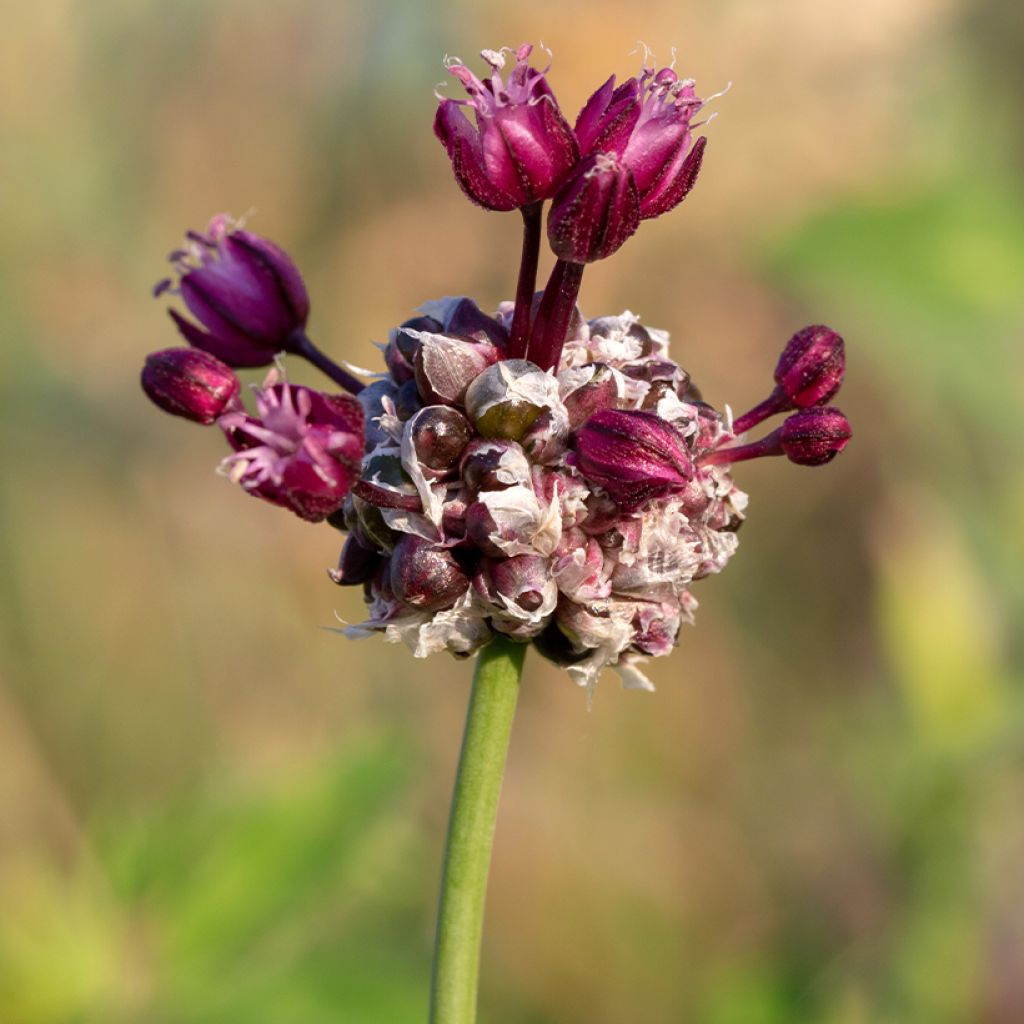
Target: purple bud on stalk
{"type": "Point", "coordinates": [246, 293]}
{"type": "Point", "coordinates": [815, 436]}
{"type": "Point", "coordinates": [521, 147]}
{"type": "Point", "coordinates": [634, 456]}
{"type": "Point", "coordinates": [809, 372]}
{"type": "Point", "coordinates": [523, 580]}
{"type": "Point", "coordinates": [810, 437]}
{"type": "Point", "coordinates": [596, 211]}
{"type": "Point", "coordinates": [190, 383]}
{"type": "Point", "coordinates": [426, 577]}
{"type": "Point", "coordinates": [810, 369]}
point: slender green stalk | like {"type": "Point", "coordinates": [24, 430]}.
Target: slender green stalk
{"type": "Point", "coordinates": [467, 856]}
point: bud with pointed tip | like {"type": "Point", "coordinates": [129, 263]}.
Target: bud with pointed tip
{"type": "Point", "coordinates": [424, 576]}
{"type": "Point", "coordinates": [809, 372]}
{"type": "Point", "coordinates": [190, 383]}
{"type": "Point", "coordinates": [634, 456]}
{"type": "Point", "coordinates": [595, 212]}
{"type": "Point", "coordinates": [810, 437]}
{"type": "Point", "coordinates": [814, 436]}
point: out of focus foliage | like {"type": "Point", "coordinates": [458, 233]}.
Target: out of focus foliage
{"type": "Point", "coordinates": [215, 811]}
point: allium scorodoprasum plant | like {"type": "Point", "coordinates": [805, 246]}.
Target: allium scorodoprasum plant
{"type": "Point", "coordinates": [527, 477]}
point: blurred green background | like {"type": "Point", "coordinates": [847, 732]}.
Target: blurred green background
{"type": "Point", "coordinates": [212, 810]}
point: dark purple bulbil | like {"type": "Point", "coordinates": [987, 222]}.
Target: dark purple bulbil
{"type": "Point", "coordinates": [521, 147]}
{"type": "Point", "coordinates": [190, 383]}
{"type": "Point", "coordinates": [425, 576]}
{"type": "Point", "coordinates": [635, 456]}
{"type": "Point", "coordinates": [246, 293]}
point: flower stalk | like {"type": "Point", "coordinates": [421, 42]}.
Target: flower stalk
{"type": "Point", "coordinates": [555, 314]}
{"type": "Point", "coordinates": [304, 347]}
{"type": "Point", "coordinates": [527, 280]}
{"type": "Point", "coordinates": [467, 858]}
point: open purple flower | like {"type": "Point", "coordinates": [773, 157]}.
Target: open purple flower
{"type": "Point", "coordinates": [645, 122]}
{"type": "Point", "coordinates": [302, 451]}
{"type": "Point", "coordinates": [246, 293]}
{"type": "Point", "coordinates": [521, 148]}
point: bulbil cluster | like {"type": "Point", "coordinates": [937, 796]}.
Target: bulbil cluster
{"type": "Point", "coordinates": [529, 474]}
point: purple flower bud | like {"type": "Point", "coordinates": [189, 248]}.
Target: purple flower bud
{"type": "Point", "coordinates": [810, 369]}
{"type": "Point", "coordinates": [645, 122]}
{"type": "Point", "coordinates": [634, 456]}
{"type": "Point", "coordinates": [446, 366]}
{"type": "Point", "coordinates": [439, 436]}
{"type": "Point", "coordinates": [595, 212]}
{"type": "Point", "coordinates": [814, 436]}
{"type": "Point", "coordinates": [190, 383]}
{"type": "Point", "coordinates": [358, 562]}
{"type": "Point", "coordinates": [302, 451]}
{"type": "Point", "coordinates": [246, 293]}
{"type": "Point", "coordinates": [809, 372]}
{"type": "Point", "coordinates": [493, 465]}
{"type": "Point", "coordinates": [426, 577]}
{"type": "Point", "coordinates": [521, 147]}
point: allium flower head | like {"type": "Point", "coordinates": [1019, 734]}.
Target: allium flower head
{"type": "Point", "coordinates": [521, 147]}
{"type": "Point", "coordinates": [302, 450]}
{"type": "Point", "coordinates": [246, 293]}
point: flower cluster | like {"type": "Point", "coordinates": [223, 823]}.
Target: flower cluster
{"type": "Point", "coordinates": [529, 474]}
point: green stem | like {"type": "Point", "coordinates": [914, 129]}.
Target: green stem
{"type": "Point", "coordinates": [467, 856]}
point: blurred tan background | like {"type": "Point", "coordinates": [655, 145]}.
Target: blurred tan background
{"type": "Point", "coordinates": [214, 811]}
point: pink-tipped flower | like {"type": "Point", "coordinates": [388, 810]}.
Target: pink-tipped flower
{"type": "Point", "coordinates": [189, 383]}
{"type": "Point", "coordinates": [645, 122]}
{"type": "Point", "coordinates": [634, 456]}
{"type": "Point", "coordinates": [302, 450]}
{"type": "Point", "coordinates": [246, 293]}
{"type": "Point", "coordinates": [520, 149]}
{"type": "Point", "coordinates": [596, 211]}
{"type": "Point", "coordinates": [809, 373]}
